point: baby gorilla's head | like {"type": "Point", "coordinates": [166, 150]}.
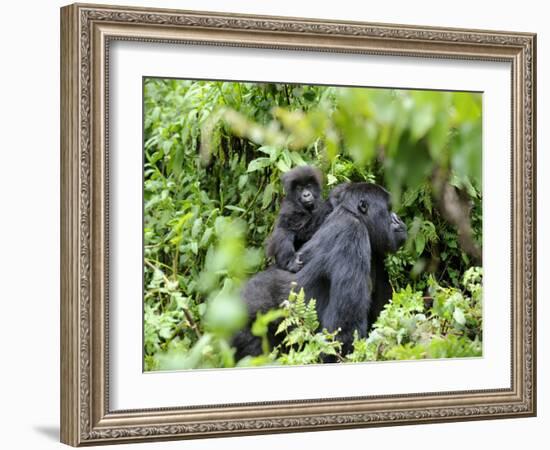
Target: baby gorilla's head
{"type": "Point", "coordinates": [303, 186]}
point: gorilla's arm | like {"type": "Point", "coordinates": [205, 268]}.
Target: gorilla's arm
{"type": "Point", "coordinates": [310, 251]}
{"type": "Point", "coordinates": [280, 247]}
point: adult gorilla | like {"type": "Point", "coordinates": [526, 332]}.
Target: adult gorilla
{"type": "Point", "coordinates": [343, 267]}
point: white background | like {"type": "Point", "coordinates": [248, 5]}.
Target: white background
{"type": "Point", "coordinates": [132, 389]}
{"type": "Point", "coordinates": [29, 180]}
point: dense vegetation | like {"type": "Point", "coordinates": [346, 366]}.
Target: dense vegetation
{"type": "Point", "coordinates": [214, 153]}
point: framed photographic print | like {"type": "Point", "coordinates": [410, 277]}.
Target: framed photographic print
{"type": "Point", "coordinates": [277, 224]}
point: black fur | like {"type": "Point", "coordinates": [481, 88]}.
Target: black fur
{"type": "Point", "coordinates": [343, 267]}
{"type": "Point", "coordinates": [302, 213]}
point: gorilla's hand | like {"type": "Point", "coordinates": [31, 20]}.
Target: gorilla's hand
{"type": "Point", "coordinates": [296, 264]}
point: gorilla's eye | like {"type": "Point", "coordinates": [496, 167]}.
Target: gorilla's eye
{"type": "Point", "coordinates": [363, 207]}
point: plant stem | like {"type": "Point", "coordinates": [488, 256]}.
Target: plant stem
{"type": "Point", "coordinates": [253, 202]}
{"type": "Point", "coordinates": [175, 264]}
{"type": "Point", "coordinates": [152, 266]}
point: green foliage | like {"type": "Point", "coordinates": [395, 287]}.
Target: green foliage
{"type": "Point", "coordinates": [412, 326]}
{"type": "Point", "coordinates": [219, 316]}
{"type": "Point", "coordinates": [303, 344]}
{"type": "Point", "coordinates": [214, 153]}
{"type": "Point", "coordinates": [297, 324]}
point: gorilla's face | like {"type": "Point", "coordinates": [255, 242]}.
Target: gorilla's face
{"type": "Point", "coordinates": [371, 204]}
{"type": "Point", "coordinates": [398, 232]}
{"type": "Point", "coordinates": [303, 187]}
{"type": "Point", "coordinates": [307, 194]}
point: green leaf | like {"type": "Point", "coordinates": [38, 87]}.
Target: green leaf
{"type": "Point", "coordinates": [269, 150]}
{"type": "Point", "coordinates": [197, 226]}
{"type": "Point", "coordinates": [259, 327]}
{"type": "Point", "coordinates": [268, 196]}
{"type": "Point", "coordinates": [206, 237]}
{"type": "Point", "coordinates": [420, 243]}
{"type": "Point", "coordinates": [234, 208]}
{"type": "Point", "coordinates": [297, 159]}
{"type": "Point", "coordinates": [331, 179]}
{"type": "Point", "coordinates": [458, 316]}
{"type": "Point", "coordinates": [166, 146]}
{"type": "Point", "coordinates": [226, 314]}
{"type": "Point", "coordinates": [258, 163]}
{"type": "Point", "coordinates": [282, 166]}
{"type": "Point", "coordinates": [242, 181]}
{"type": "Point", "coordinates": [422, 120]}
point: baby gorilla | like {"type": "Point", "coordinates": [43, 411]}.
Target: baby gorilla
{"type": "Point", "coordinates": [302, 213]}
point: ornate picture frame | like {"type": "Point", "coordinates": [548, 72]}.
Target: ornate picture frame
{"type": "Point", "coordinates": [87, 32]}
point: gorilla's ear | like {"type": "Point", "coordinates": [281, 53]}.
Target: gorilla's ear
{"type": "Point", "coordinates": [335, 196]}
{"type": "Point", "coordinates": [363, 206]}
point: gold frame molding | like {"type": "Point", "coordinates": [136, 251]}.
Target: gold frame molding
{"type": "Point", "coordinates": [86, 31]}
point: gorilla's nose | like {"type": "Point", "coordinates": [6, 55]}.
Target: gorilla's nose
{"type": "Point", "coordinates": [306, 195]}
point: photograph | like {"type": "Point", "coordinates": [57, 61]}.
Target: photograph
{"type": "Point", "coordinates": [292, 224]}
